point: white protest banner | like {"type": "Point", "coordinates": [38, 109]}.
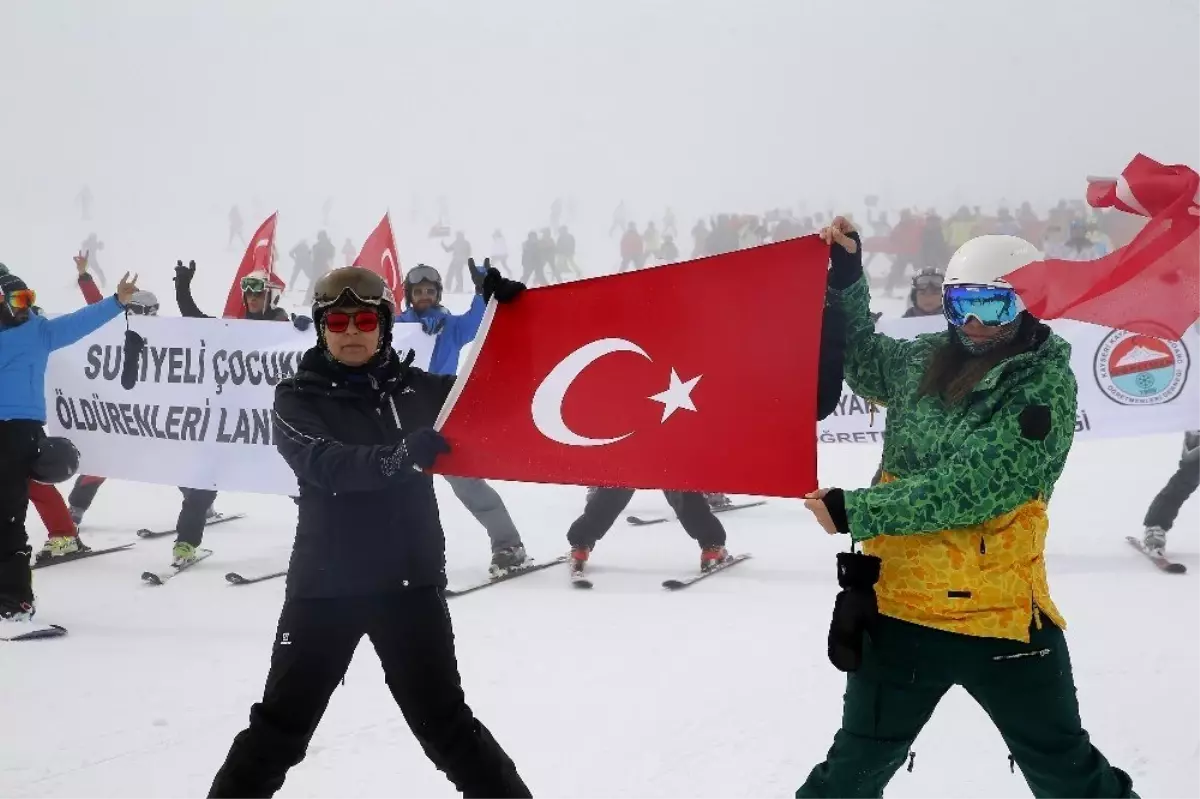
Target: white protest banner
{"type": "Point", "coordinates": [200, 413]}
{"type": "Point", "coordinates": [1129, 385]}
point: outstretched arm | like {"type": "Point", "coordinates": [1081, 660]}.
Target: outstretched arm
{"type": "Point", "coordinates": [183, 291]}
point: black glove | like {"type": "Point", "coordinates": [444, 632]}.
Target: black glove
{"type": "Point", "coordinates": [184, 274]}
{"type": "Point", "coordinates": [478, 273]}
{"type": "Point", "coordinates": [134, 344]}
{"type": "Point", "coordinates": [301, 322]}
{"type": "Point", "coordinates": [496, 285]}
{"type": "Point", "coordinates": [835, 503]}
{"type": "Point", "coordinates": [845, 268]}
{"type": "Point", "coordinates": [423, 446]}
{"type": "Point", "coordinates": [855, 609]}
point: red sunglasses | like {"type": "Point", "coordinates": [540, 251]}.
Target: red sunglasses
{"type": "Point", "coordinates": [365, 321]}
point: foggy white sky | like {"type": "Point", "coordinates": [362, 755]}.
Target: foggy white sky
{"type": "Point", "coordinates": [173, 111]}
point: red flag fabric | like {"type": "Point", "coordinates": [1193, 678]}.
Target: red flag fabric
{"type": "Point", "coordinates": [1151, 286]}
{"type": "Point", "coordinates": [634, 380]}
{"type": "Point", "coordinates": [260, 254]}
{"type": "Point", "coordinates": [378, 254]}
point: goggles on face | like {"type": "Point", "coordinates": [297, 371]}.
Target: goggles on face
{"type": "Point", "coordinates": [141, 309]}
{"type": "Point", "coordinates": [253, 285]}
{"type": "Point", "coordinates": [927, 282]}
{"type": "Point", "coordinates": [20, 299]}
{"type": "Point", "coordinates": [339, 321]}
{"type": "Point", "coordinates": [991, 305]}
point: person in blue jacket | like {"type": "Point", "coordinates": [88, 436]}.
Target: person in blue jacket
{"type": "Point", "coordinates": [423, 305]}
{"type": "Point", "coordinates": [26, 341]}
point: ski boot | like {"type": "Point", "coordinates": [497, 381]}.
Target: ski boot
{"type": "Point", "coordinates": [183, 554]}
{"type": "Point", "coordinates": [579, 559]}
{"type": "Point", "coordinates": [507, 559]}
{"type": "Point", "coordinates": [712, 556]}
{"type": "Point", "coordinates": [718, 501]}
{"type": "Point", "coordinates": [58, 545]}
{"type": "Point", "coordinates": [211, 514]}
{"type": "Point", "coordinates": [1154, 539]}
{"type": "Point", "coordinates": [13, 610]}
{"type": "Point", "coordinates": [76, 515]}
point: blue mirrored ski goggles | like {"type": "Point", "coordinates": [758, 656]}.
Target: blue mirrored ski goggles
{"type": "Point", "coordinates": [991, 305]}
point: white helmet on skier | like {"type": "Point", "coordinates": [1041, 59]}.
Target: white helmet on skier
{"type": "Point", "coordinates": [974, 285]}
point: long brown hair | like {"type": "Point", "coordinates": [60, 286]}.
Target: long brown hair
{"type": "Point", "coordinates": [953, 372]}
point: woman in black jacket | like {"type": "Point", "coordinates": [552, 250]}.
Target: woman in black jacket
{"type": "Point", "coordinates": [354, 424]}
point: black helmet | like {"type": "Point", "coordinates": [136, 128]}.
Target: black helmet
{"type": "Point", "coordinates": [422, 273]}
{"type": "Point", "coordinates": [354, 285]}
{"type": "Point", "coordinates": [57, 460]}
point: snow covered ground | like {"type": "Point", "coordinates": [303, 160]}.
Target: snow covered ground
{"type": "Point", "coordinates": [627, 690]}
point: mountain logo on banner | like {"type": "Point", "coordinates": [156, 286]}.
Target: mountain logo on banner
{"type": "Point", "coordinates": [1132, 369]}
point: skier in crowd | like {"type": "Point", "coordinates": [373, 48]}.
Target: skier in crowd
{"type": "Point", "coordinates": [423, 305]}
{"type": "Point", "coordinates": [548, 249]}
{"type": "Point", "coordinates": [499, 254]}
{"type": "Point", "coordinates": [302, 262]}
{"type": "Point", "coordinates": [236, 227]}
{"type": "Point", "coordinates": [349, 252]}
{"type": "Point", "coordinates": [1077, 246]}
{"type": "Point", "coordinates": [565, 253]}
{"type": "Point", "coordinates": [260, 292]}
{"type": "Point", "coordinates": [460, 253]}
{"type": "Point", "coordinates": [143, 303]}
{"type": "Point", "coordinates": [695, 511]}
{"type": "Point", "coordinates": [1160, 516]}
{"type": "Point", "coordinates": [323, 253]}
{"type": "Point", "coordinates": [953, 587]}
{"type": "Point", "coordinates": [633, 252]}
{"type": "Point", "coordinates": [27, 339]}
{"type": "Point", "coordinates": [341, 424]}
{"type": "Point", "coordinates": [92, 245]}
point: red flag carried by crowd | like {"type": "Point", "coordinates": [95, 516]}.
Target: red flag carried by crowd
{"type": "Point", "coordinates": [1150, 286]}
{"type": "Point", "coordinates": [378, 254]}
{"type": "Point", "coordinates": [260, 254]}
{"type": "Point", "coordinates": [651, 379]}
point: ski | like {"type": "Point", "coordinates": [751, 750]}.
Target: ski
{"type": "Point", "coordinates": [29, 631]}
{"type": "Point", "coordinates": [87, 553]}
{"type": "Point", "coordinates": [641, 521]}
{"type": "Point", "coordinates": [236, 579]}
{"type": "Point", "coordinates": [507, 575]}
{"type": "Point", "coordinates": [218, 518]}
{"type": "Point", "coordinates": [1163, 563]}
{"type": "Point", "coordinates": [158, 578]}
{"type": "Point", "coordinates": [676, 585]}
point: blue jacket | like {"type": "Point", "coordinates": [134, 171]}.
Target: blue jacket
{"type": "Point", "coordinates": [453, 332]}
{"type": "Point", "coordinates": [25, 349]}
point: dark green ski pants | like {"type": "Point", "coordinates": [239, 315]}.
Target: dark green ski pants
{"type": "Point", "coordinates": [1026, 689]}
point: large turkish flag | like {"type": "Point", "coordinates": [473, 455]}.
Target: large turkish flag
{"type": "Point", "coordinates": [700, 376]}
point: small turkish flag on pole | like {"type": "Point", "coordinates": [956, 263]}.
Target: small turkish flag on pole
{"type": "Point", "coordinates": [699, 376]}
{"type": "Point", "coordinates": [260, 254]}
{"type": "Point", "coordinates": [378, 254]}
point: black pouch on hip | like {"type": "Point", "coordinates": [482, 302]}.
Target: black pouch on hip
{"type": "Point", "coordinates": [854, 610]}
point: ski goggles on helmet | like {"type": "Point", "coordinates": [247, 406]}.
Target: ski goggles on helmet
{"type": "Point", "coordinates": [338, 321]}
{"type": "Point", "coordinates": [351, 285]}
{"type": "Point", "coordinates": [422, 274]}
{"type": "Point", "coordinates": [19, 299]}
{"type": "Point", "coordinates": [991, 305]}
{"type": "Point", "coordinates": [928, 282]}
{"type": "Point", "coordinates": [252, 284]}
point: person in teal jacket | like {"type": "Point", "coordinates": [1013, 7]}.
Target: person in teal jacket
{"type": "Point", "coordinates": [26, 341]}
{"type": "Point", "coordinates": [423, 305]}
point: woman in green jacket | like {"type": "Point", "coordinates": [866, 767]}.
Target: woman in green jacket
{"type": "Point", "coordinates": [980, 420]}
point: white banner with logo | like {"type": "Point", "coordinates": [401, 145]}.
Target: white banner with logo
{"type": "Point", "coordinates": [200, 413]}
{"type": "Point", "coordinates": [1129, 385]}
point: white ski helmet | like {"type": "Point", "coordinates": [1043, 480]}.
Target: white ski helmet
{"type": "Point", "coordinates": [985, 260]}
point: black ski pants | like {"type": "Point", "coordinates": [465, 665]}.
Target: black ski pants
{"type": "Point", "coordinates": [1165, 507]}
{"type": "Point", "coordinates": [411, 632]}
{"type": "Point", "coordinates": [606, 504]}
{"type": "Point", "coordinates": [190, 525]}
{"type": "Point", "coordinates": [18, 450]}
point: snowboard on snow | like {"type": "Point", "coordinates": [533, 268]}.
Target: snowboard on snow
{"type": "Point", "coordinates": [219, 518]}
{"type": "Point", "coordinates": [29, 630]}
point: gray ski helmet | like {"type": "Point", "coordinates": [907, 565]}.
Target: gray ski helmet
{"type": "Point", "coordinates": [143, 303]}
{"type": "Point", "coordinates": [3, 270]}
{"type": "Point", "coordinates": [422, 273]}
{"type": "Point", "coordinates": [57, 460]}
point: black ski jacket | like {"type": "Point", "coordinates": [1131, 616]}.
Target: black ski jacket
{"type": "Point", "coordinates": [368, 522]}
{"type": "Point", "coordinates": [831, 363]}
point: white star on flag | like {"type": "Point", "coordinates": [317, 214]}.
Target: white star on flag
{"type": "Point", "coordinates": [677, 396]}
